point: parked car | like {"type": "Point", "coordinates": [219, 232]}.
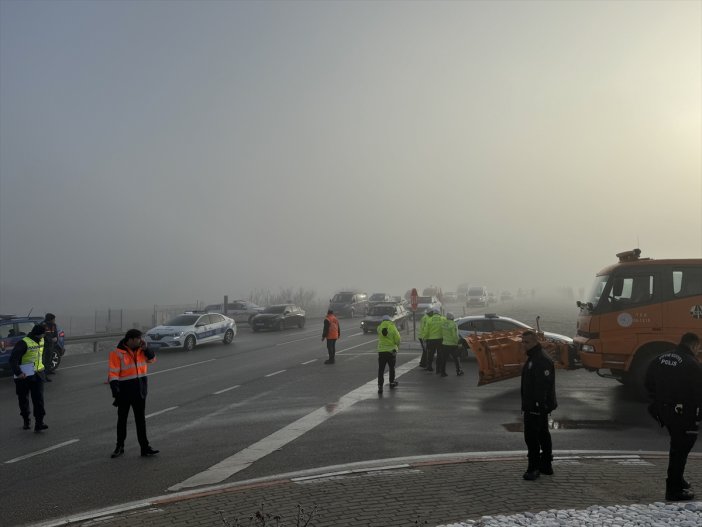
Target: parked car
{"type": "Point", "coordinates": [506, 295]}
{"type": "Point", "coordinates": [14, 328]}
{"type": "Point", "coordinates": [399, 300]}
{"type": "Point", "coordinates": [491, 322]}
{"type": "Point", "coordinates": [378, 298]}
{"type": "Point", "coordinates": [450, 296]}
{"type": "Point", "coordinates": [349, 303]}
{"type": "Point", "coordinates": [397, 313]}
{"type": "Point", "coordinates": [240, 310]}
{"type": "Point", "coordinates": [279, 317]}
{"type": "Point", "coordinates": [478, 296]}
{"type": "Point", "coordinates": [426, 302]}
{"type": "Point", "coordinates": [192, 329]}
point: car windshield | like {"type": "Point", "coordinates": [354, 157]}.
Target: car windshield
{"type": "Point", "coordinates": [274, 309]}
{"type": "Point", "coordinates": [379, 311]}
{"type": "Point", "coordinates": [183, 320]}
{"type": "Point", "coordinates": [475, 291]}
{"type": "Point", "coordinates": [377, 296]}
{"type": "Point", "coordinates": [424, 300]}
{"type": "Point", "coordinates": [342, 297]}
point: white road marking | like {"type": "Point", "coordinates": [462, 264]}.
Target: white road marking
{"type": "Point", "coordinates": [275, 373]}
{"type": "Point", "coordinates": [43, 451]}
{"type": "Point", "coordinates": [245, 458]}
{"type": "Point", "coordinates": [180, 367]}
{"type": "Point", "coordinates": [227, 389]}
{"type": "Point", "coordinates": [161, 411]}
{"type": "Point", "coordinates": [310, 361]}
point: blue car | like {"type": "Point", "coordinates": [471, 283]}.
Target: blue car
{"type": "Point", "coordinates": [14, 328]}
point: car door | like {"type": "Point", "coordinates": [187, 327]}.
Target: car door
{"type": "Point", "coordinates": [217, 326]}
{"type": "Point", "coordinates": [202, 331]}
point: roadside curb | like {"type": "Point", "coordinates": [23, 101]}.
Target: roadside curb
{"type": "Point", "coordinates": [371, 466]}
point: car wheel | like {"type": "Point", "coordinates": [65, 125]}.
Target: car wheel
{"type": "Point", "coordinates": [250, 321]}
{"type": "Point", "coordinates": [279, 327]}
{"type": "Point", "coordinates": [54, 361]}
{"type": "Point", "coordinates": [301, 323]}
{"type": "Point", "coordinates": [189, 343]}
{"type": "Point", "coordinates": [228, 336]}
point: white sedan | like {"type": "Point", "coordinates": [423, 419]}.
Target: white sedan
{"type": "Point", "coordinates": [490, 322]}
{"type": "Point", "coordinates": [190, 329]}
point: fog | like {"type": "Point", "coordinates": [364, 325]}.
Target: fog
{"type": "Point", "coordinates": [173, 152]}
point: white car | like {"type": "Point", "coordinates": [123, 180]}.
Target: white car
{"type": "Point", "coordinates": [191, 329]}
{"type": "Point", "coordinates": [429, 302]}
{"type": "Point", "coordinates": [491, 322]}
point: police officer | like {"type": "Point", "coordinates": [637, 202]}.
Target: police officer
{"type": "Point", "coordinates": [449, 345]}
{"type": "Point", "coordinates": [27, 363]}
{"type": "Point", "coordinates": [422, 338]}
{"type": "Point", "coordinates": [538, 400]}
{"type": "Point", "coordinates": [674, 382]}
{"type": "Point", "coordinates": [432, 331]}
{"type": "Point", "coordinates": [331, 332]}
{"type": "Point", "coordinates": [50, 342]}
{"type": "Point", "coordinates": [388, 344]}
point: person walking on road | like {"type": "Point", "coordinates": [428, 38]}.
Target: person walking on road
{"type": "Point", "coordinates": [432, 331]}
{"type": "Point", "coordinates": [449, 345]}
{"type": "Point", "coordinates": [50, 342]}
{"type": "Point", "coordinates": [388, 344]}
{"type": "Point", "coordinates": [128, 365]}
{"type": "Point", "coordinates": [331, 332]}
{"type": "Point", "coordinates": [538, 400]}
{"type": "Point", "coordinates": [674, 382]}
{"type": "Point", "coordinates": [27, 364]}
{"type": "Point", "coordinates": [422, 338]}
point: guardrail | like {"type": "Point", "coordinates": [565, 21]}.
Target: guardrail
{"type": "Point", "coordinates": [95, 338]}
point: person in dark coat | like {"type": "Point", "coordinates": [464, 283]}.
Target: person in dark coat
{"type": "Point", "coordinates": [50, 340]}
{"type": "Point", "coordinates": [538, 401]}
{"type": "Point", "coordinates": [674, 382]}
{"type": "Point", "coordinates": [27, 364]}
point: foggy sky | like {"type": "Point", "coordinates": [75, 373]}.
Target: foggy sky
{"type": "Point", "coordinates": [168, 152]}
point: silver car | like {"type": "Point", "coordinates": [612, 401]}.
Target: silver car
{"type": "Point", "coordinates": [191, 329]}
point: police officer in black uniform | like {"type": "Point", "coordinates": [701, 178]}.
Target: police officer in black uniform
{"type": "Point", "coordinates": [538, 400]}
{"type": "Point", "coordinates": [674, 382]}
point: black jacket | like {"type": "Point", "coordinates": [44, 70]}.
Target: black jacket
{"type": "Point", "coordinates": [538, 382]}
{"type": "Point", "coordinates": [131, 388]}
{"type": "Point", "coordinates": [675, 378]}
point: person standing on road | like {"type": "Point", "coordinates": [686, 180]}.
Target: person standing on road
{"type": "Point", "coordinates": [422, 338]}
{"type": "Point", "coordinates": [388, 344]}
{"type": "Point", "coordinates": [129, 383]}
{"type": "Point", "coordinates": [674, 382]}
{"type": "Point", "coordinates": [538, 400]}
{"type": "Point", "coordinates": [331, 332]}
{"type": "Point", "coordinates": [50, 342]}
{"type": "Point", "coordinates": [27, 363]}
{"type": "Point", "coordinates": [449, 345]}
{"type": "Point", "coordinates": [433, 338]}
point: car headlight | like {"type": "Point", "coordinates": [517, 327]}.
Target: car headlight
{"type": "Point", "coordinates": [178, 334]}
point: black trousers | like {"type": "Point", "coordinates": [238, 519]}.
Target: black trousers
{"type": "Point", "coordinates": [444, 354]}
{"type": "Point", "coordinates": [331, 348]}
{"type": "Point", "coordinates": [433, 347]}
{"type": "Point", "coordinates": [423, 360]}
{"type": "Point", "coordinates": [537, 438]}
{"type": "Point", "coordinates": [139, 406]}
{"type": "Point", "coordinates": [34, 386]}
{"type": "Point", "coordinates": [682, 439]}
{"type": "Point", "coordinates": [386, 358]}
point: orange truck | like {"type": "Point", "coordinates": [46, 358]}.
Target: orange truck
{"type": "Point", "coordinates": [637, 309]}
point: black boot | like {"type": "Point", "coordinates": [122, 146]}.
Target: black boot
{"type": "Point", "coordinates": [531, 474]}
{"type": "Point", "coordinates": [545, 466]}
{"type": "Point", "coordinates": [27, 424]}
{"type": "Point", "coordinates": [119, 450]}
{"type": "Point", "coordinates": [148, 451]}
{"type": "Point", "coordinates": [675, 492]}
{"type": "Point", "coordinates": [39, 426]}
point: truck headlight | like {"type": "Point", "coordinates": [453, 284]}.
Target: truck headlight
{"type": "Point", "coordinates": [588, 348]}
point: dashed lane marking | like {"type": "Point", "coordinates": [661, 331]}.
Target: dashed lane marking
{"type": "Point", "coordinates": [309, 361]}
{"type": "Point", "coordinates": [275, 373]}
{"type": "Point", "coordinates": [181, 367]}
{"type": "Point", "coordinates": [227, 389]}
{"type": "Point", "coordinates": [161, 411]}
{"type": "Point", "coordinates": [43, 451]}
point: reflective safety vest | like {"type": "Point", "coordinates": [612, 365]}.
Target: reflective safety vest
{"type": "Point", "coordinates": [449, 333]}
{"type": "Point", "coordinates": [333, 332]}
{"type": "Point", "coordinates": [433, 328]}
{"type": "Point", "coordinates": [423, 326]}
{"type": "Point", "coordinates": [125, 365]}
{"type": "Point", "coordinates": [391, 342]}
{"type": "Point", "coordinates": [34, 353]}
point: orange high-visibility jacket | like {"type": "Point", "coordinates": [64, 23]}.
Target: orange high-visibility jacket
{"type": "Point", "coordinates": [333, 332]}
{"type": "Point", "coordinates": [126, 364]}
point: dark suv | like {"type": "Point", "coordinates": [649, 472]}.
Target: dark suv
{"type": "Point", "coordinates": [349, 304]}
{"type": "Point", "coordinates": [14, 328]}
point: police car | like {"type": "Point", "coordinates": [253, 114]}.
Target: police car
{"type": "Point", "coordinates": [14, 329]}
{"type": "Point", "coordinates": [191, 329]}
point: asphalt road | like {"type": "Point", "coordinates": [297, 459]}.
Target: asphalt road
{"type": "Point", "coordinates": [267, 405]}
